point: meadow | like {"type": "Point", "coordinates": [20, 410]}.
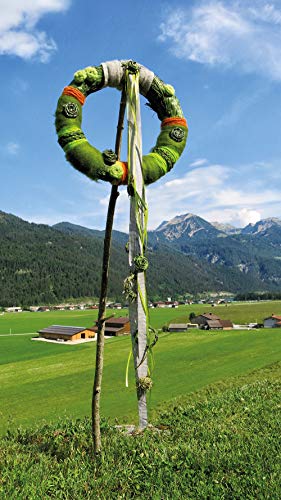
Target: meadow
{"type": "Point", "coordinates": [237, 312]}
{"type": "Point", "coordinates": [42, 381]}
{"type": "Point", "coordinates": [222, 444]}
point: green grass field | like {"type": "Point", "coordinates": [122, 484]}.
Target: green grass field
{"type": "Point", "coordinates": [215, 398]}
{"type": "Point", "coordinates": [42, 381]}
{"type": "Point", "coordinates": [240, 312]}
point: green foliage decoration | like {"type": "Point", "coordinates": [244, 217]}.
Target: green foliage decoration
{"type": "Point", "coordinates": [145, 384]}
{"type": "Point", "coordinates": [141, 263]}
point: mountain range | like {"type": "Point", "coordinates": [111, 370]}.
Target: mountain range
{"type": "Point", "coordinates": [188, 255]}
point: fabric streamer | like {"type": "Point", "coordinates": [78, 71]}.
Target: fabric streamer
{"type": "Point", "coordinates": [138, 309]}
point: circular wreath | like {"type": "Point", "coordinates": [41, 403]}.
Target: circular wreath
{"type": "Point", "coordinates": [105, 166]}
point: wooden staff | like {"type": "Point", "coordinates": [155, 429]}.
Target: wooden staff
{"type": "Point", "coordinates": [96, 434]}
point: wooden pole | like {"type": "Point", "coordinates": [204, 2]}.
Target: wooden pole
{"type": "Point", "coordinates": [96, 434]}
{"type": "Point", "coordinates": [136, 308]}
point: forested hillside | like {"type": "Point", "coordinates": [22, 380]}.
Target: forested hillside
{"type": "Point", "coordinates": [42, 264]}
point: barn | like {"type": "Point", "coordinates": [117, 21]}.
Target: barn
{"type": "Point", "coordinates": [208, 321]}
{"type": "Point", "coordinates": [64, 333]}
{"type": "Point", "coordinates": [177, 327]}
{"type": "Point", "coordinates": [115, 326]}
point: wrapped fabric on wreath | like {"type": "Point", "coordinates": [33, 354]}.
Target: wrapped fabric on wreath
{"type": "Point", "coordinates": [104, 166]}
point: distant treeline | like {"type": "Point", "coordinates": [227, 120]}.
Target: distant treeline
{"type": "Point", "coordinates": [258, 296]}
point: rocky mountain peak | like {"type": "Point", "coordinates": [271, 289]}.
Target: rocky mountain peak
{"type": "Point", "coordinates": [263, 226]}
{"type": "Point", "coordinates": [189, 225]}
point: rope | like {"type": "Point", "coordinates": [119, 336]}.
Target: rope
{"type": "Point", "coordinates": [73, 92]}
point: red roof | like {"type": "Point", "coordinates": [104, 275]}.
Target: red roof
{"type": "Point", "coordinates": [273, 316]}
{"type": "Point", "coordinates": [113, 325]}
{"type": "Point", "coordinates": [209, 316]}
{"type": "Point", "coordinates": [214, 323]}
{"type": "Point", "coordinates": [118, 321]}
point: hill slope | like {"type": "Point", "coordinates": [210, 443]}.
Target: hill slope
{"type": "Point", "coordinates": [42, 264]}
{"type": "Point", "coordinates": [219, 443]}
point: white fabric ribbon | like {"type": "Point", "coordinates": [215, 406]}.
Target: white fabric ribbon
{"type": "Point", "coordinates": [114, 73]}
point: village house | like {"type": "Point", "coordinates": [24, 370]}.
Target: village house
{"type": "Point", "coordinates": [208, 321]}
{"type": "Point", "coordinates": [177, 327]}
{"type": "Point", "coordinates": [181, 327]}
{"type": "Point", "coordinates": [272, 321]}
{"type": "Point", "coordinates": [115, 326]}
{"type": "Point", "coordinates": [159, 304]}
{"type": "Point", "coordinates": [167, 303]}
{"type": "Point", "coordinates": [64, 333]}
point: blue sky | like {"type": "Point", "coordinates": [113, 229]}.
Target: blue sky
{"type": "Point", "coordinates": [222, 57]}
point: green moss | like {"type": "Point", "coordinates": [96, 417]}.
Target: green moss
{"type": "Point", "coordinates": [164, 139]}
{"type": "Point", "coordinates": [87, 159]}
{"type": "Point", "coordinates": [64, 121]}
{"type": "Point", "coordinates": [169, 155]}
{"type": "Point", "coordinates": [162, 100]}
{"type": "Point", "coordinates": [115, 172]}
{"type": "Point", "coordinates": [88, 80]}
{"type": "Point", "coordinates": [153, 167]}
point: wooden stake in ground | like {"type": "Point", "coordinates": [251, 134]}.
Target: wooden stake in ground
{"type": "Point", "coordinates": [103, 294]}
{"type": "Point", "coordinates": [138, 304]}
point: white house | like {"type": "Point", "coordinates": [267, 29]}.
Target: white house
{"type": "Point", "coordinates": [272, 321]}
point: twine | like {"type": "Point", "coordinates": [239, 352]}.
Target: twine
{"type": "Point", "coordinates": [73, 92]}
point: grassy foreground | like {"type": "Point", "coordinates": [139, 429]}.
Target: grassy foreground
{"type": "Point", "coordinates": [221, 444]}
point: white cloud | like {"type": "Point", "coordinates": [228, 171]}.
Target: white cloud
{"type": "Point", "coordinates": [238, 194]}
{"type": "Point", "coordinates": [18, 34]}
{"type": "Point", "coordinates": [199, 163]}
{"type": "Point", "coordinates": [218, 192]}
{"type": "Point", "coordinates": [236, 217]}
{"type": "Point", "coordinates": [19, 86]}
{"type": "Point", "coordinates": [247, 216]}
{"type": "Point", "coordinates": [223, 193]}
{"type": "Point", "coordinates": [12, 148]}
{"type": "Point", "coordinates": [240, 105]}
{"type": "Point", "coordinates": [242, 34]}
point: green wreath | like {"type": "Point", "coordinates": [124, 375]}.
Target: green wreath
{"type": "Point", "coordinates": [88, 159]}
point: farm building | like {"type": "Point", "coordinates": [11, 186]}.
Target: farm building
{"type": "Point", "coordinates": [210, 321]}
{"type": "Point", "coordinates": [272, 322]}
{"type": "Point", "coordinates": [59, 332]}
{"type": "Point", "coordinates": [115, 326]}
{"type": "Point", "coordinates": [177, 327]}
{"type": "Point", "coordinates": [181, 327]}
{"type": "Point", "coordinates": [167, 303]}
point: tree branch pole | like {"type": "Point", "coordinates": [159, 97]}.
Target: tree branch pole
{"type": "Point", "coordinates": [96, 435]}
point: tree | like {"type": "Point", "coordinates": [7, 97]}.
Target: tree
{"type": "Point", "coordinates": [191, 316]}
